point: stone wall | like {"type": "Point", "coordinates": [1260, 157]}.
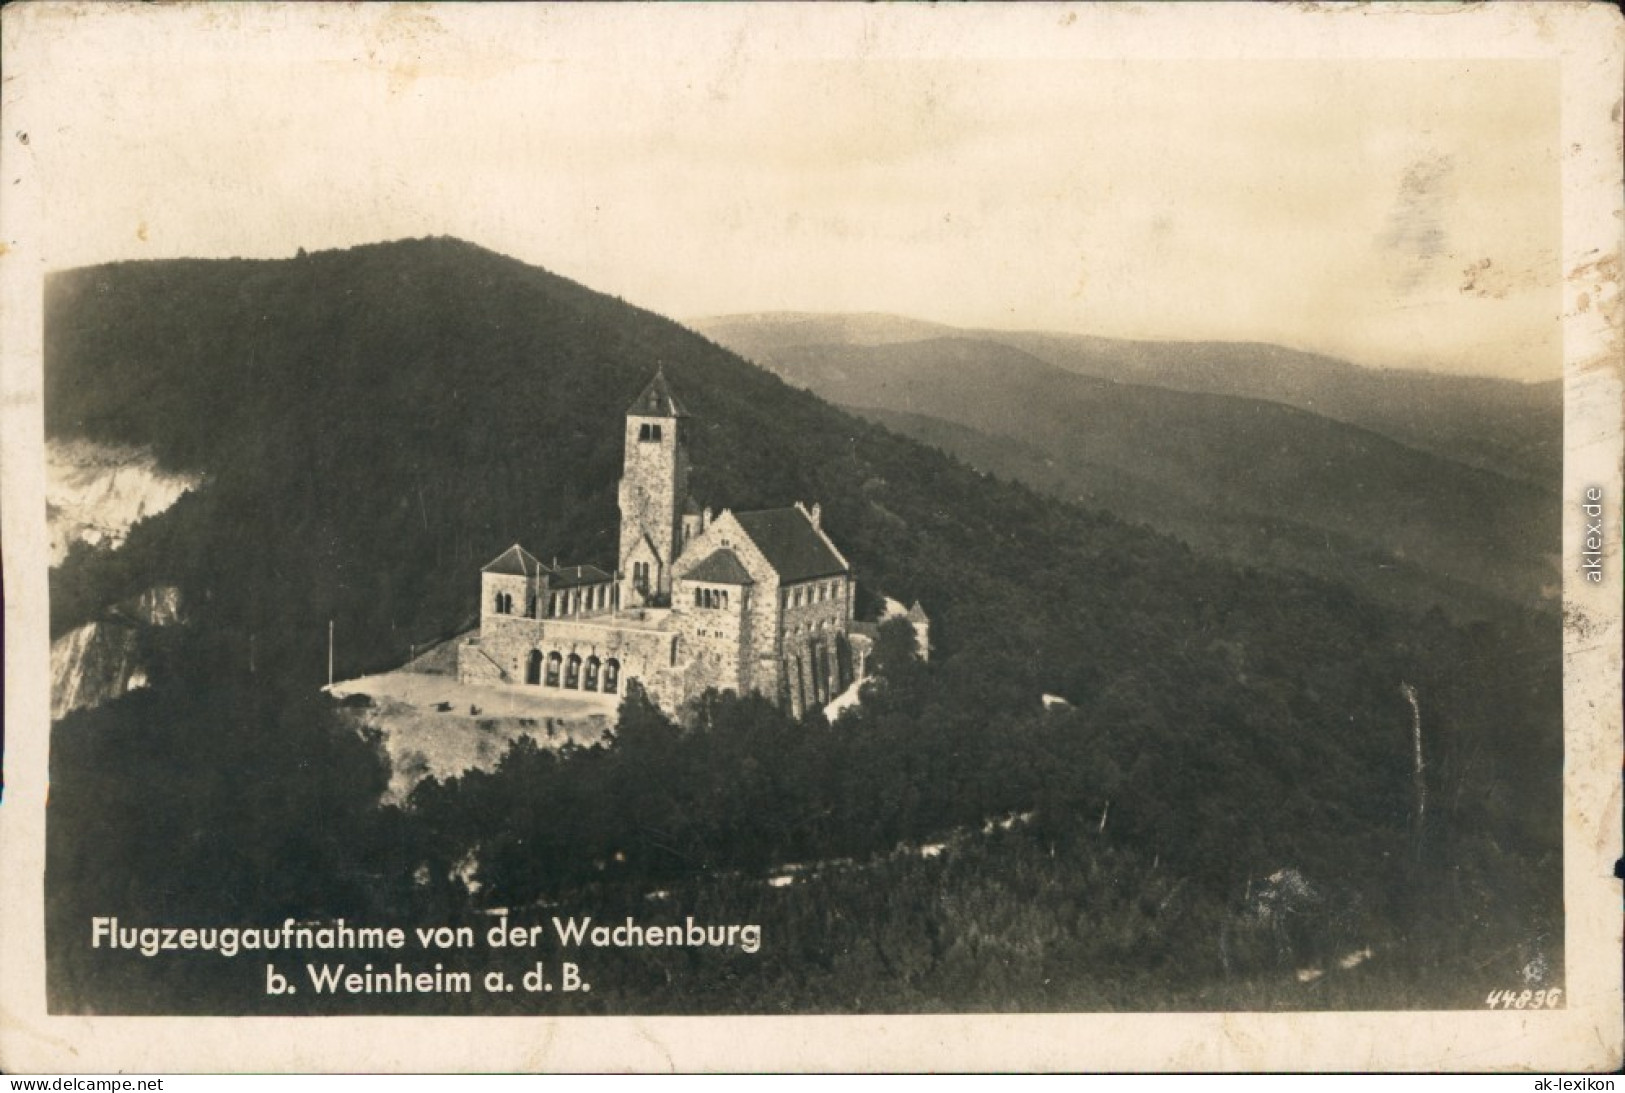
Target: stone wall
{"type": "Point", "coordinates": [517, 587]}
{"type": "Point", "coordinates": [640, 644]}
{"type": "Point", "coordinates": [813, 616]}
{"type": "Point", "coordinates": [712, 641]}
{"type": "Point", "coordinates": [637, 553]}
{"type": "Point", "coordinates": [506, 639]}
{"type": "Point", "coordinates": [474, 666]}
{"type": "Point", "coordinates": [643, 651]}
{"type": "Point", "coordinates": [812, 640]}
{"type": "Point", "coordinates": [759, 628]}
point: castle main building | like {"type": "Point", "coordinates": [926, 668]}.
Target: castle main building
{"type": "Point", "coordinates": [738, 601]}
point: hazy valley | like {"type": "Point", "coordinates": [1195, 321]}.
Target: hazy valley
{"type": "Point", "coordinates": [1415, 488]}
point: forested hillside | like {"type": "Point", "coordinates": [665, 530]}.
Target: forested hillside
{"type": "Point", "coordinates": [375, 424]}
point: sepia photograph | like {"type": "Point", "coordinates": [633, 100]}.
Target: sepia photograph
{"type": "Point", "coordinates": [1068, 526]}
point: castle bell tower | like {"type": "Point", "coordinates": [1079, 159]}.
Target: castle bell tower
{"type": "Point", "coordinates": [654, 488]}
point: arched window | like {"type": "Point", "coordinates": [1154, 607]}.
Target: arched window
{"type": "Point", "coordinates": [591, 682]}
{"type": "Point", "coordinates": [696, 597]}
{"type": "Point", "coordinates": [724, 595]}
{"type": "Point", "coordinates": [643, 431]}
{"type": "Point", "coordinates": [530, 605]}
{"type": "Point", "coordinates": [612, 676]}
{"type": "Point", "coordinates": [820, 667]}
{"type": "Point", "coordinates": [552, 669]}
{"type": "Point", "coordinates": [533, 667]}
{"type": "Point", "coordinates": [572, 672]}
{"type": "Point", "coordinates": [655, 431]}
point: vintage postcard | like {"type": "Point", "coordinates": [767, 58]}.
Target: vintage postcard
{"type": "Point", "coordinates": [800, 537]}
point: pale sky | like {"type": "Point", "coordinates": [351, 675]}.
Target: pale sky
{"type": "Point", "coordinates": [972, 168]}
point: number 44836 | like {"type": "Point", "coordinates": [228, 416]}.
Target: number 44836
{"type": "Point", "coordinates": [1525, 1000]}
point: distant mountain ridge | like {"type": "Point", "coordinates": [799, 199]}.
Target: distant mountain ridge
{"type": "Point", "coordinates": [1255, 479]}
{"type": "Point", "coordinates": [1493, 424]}
{"type": "Point", "coordinates": [764, 331]}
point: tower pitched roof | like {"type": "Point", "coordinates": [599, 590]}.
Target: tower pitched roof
{"type": "Point", "coordinates": [657, 399]}
{"type": "Point", "coordinates": [720, 567]}
{"type": "Point", "coordinates": [516, 561]}
{"type": "Point", "coordinates": [791, 544]}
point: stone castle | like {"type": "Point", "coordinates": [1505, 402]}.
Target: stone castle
{"type": "Point", "coordinates": [737, 601]}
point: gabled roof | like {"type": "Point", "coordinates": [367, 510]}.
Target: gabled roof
{"type": "Point", "coordinates": [720, 567]}
{"type": "Point", "coordinates": [647, 543]}
{"type": "Point", "coordinates": [570, 576]}
{"type": "Point", "coordinates": [791, 544]}
{"type": "Point", "coordinates": [516, 561]}
{"type": "Point", "coordinates": [657, 400]}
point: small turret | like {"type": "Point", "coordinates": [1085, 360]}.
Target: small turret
{"type": "Point", "coordinates": [693, 523]}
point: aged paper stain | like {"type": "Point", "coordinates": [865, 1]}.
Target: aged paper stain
{"type": "Point", "coordinates": [1415, 231]}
